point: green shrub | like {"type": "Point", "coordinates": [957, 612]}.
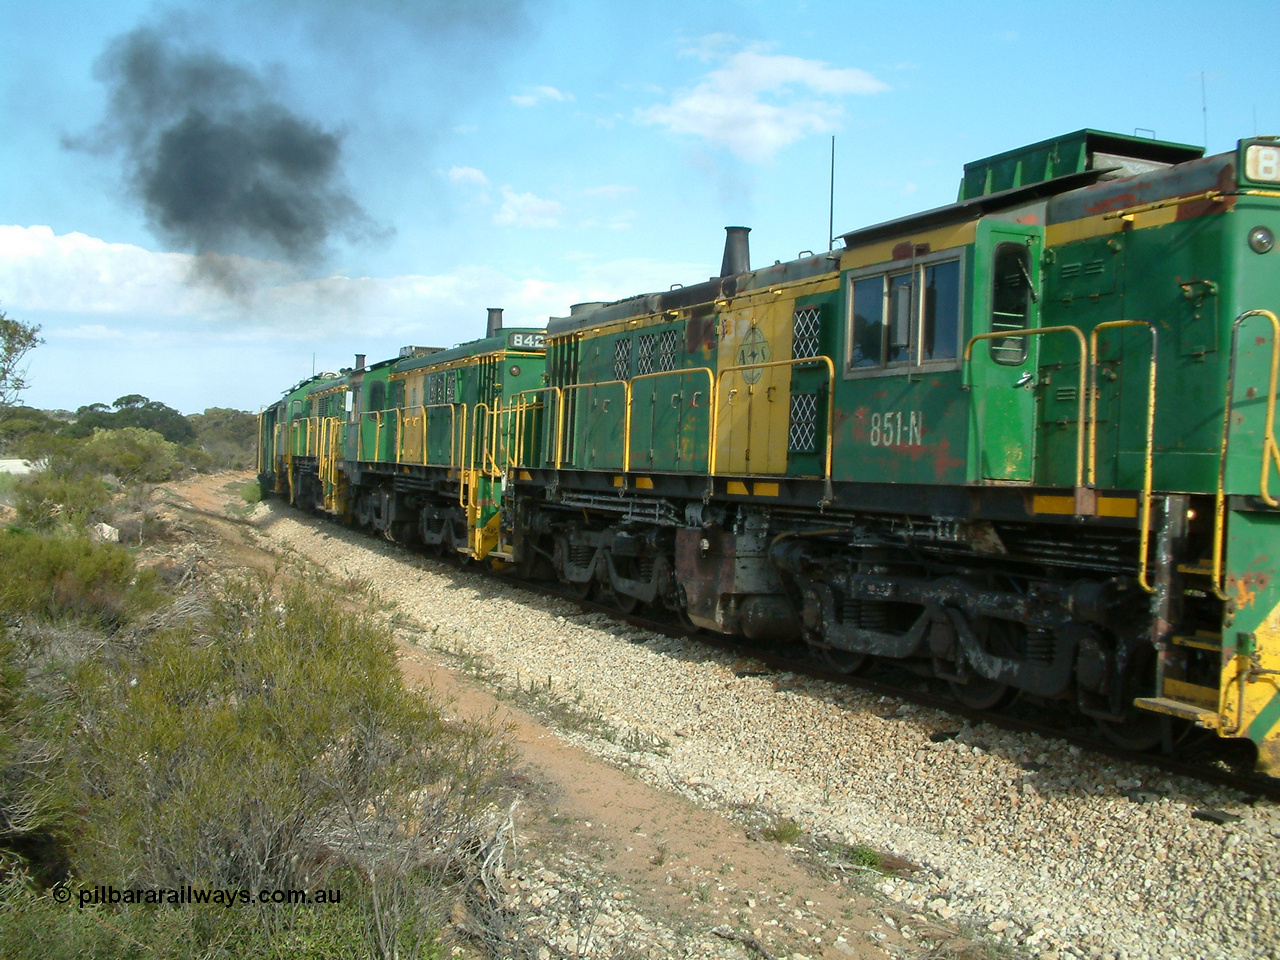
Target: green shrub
{"type": "Point", "coordinates": [132, 454]}
{"type": "Point", "coordinates": [251, 492]}
{"type": "Point", "coordinates": [195, 459]}
{"type": "Point", "coordinates": [45, 499]}
{"type": "Point", "coordinates": [60, 454]}
{"type": "Point", "coordinates": [18, 424]}
{"type": "Point", "coordinates": [53, 577]}
{"type": "Point", "coordinates": [272, 743]}
{"type": "Point", "coordinates": [7, 482]}
{"type": "Point", "coordinates": [785, 830]}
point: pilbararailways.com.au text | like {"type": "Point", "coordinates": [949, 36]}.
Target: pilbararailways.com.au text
{"type": "Point", "coordinates": [195, 896]}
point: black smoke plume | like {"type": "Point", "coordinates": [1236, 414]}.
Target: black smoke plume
{"type": "Point", "coordinates": [220, 164]}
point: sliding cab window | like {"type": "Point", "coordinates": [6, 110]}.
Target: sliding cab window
{"type": "Point", "coordinates": [906, 317]}
{"type": "Point", "coordinates": [1010, 302]}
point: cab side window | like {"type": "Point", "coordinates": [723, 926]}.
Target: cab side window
{"type": "Point", "coordinates": [868, 323]}
{"type": "Point", "coordinates": [905, 317]}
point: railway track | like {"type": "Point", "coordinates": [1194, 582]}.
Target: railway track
{"type": "Point", "coordinates": [1217, 762]}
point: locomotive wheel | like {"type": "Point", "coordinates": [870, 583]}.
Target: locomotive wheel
{"type": "Point", "coordinates": [983, 694]}
{"type": "Point", "coordinates": [841, 661]}
{"type": "Point", "coordinates": [580, 591]}
{"type": "Point", "coordinates": [1003, 638]}
{"type": "Point", "coordinates": [1134, 732]}
{"type": "Point", "coordinates": [625, 603]}
{"type": "Point", "coordinates": [686, 621]}
{"type": "Point", "coordinates": [1139, 730]}
{"type": "Point", "coordinates": [448, 545]}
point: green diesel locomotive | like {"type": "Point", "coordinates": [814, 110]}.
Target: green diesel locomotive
{"type": "Point", "coordinates": [1022, 442]}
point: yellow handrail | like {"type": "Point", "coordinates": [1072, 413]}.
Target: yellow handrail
{"type": "Point", "coordinates": [494, 428]}
{"type": "Point", "coordinates": [1144, 536]}
{"type": "Point", "coordinates": [626, 396]}
{"type": "Point", "coordinates": [453, 422]}
{"type": "Point", "coordinates": [511, 430]}
{"type": "Point", "coordinates": [475, 432]}
{"type": "Point", "coordinates": [626, 432]}
{"type": "Point", "coordinates": [1270, 451]}
{"type": "Point", "coordinates": [1039, 332]}
{"type": "Point", "coordinates": [462, 456]}
{"type": "Point", "coordinates": [831, 392]}
{"type": "Point", "coordinates": [556, 391]}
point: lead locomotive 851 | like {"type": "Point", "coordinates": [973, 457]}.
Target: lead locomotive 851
{"type": "Point", "coordinates": [1023, 442]}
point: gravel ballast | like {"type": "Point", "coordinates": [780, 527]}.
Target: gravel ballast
{"type": "Point", "coordinates": [1028, 841]}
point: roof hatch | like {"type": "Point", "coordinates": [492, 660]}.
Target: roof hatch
{"type": "Point", "coordinates": [1121, 155]}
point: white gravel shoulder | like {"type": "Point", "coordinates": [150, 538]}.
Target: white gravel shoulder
{"type": "Point", "coordinates": [1028, 840]}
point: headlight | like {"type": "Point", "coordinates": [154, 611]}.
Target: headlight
{"type": "Point", "coordinates": [1261, 240]}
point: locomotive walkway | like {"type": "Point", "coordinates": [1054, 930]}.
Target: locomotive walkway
{"type": "Point", "coordinates": [1027, 843]}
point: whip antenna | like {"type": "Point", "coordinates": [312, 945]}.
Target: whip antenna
{"type": "Point", "coordinates": [831, 203]}
{"type": "Point", "coordinates": [1204, 110]}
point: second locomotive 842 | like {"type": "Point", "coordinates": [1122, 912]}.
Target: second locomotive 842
{"type": "Point", "coordinates": [1022, 442]}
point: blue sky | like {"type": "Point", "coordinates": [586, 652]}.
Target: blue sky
{"type": "Point", "coordinates": [443, 157]}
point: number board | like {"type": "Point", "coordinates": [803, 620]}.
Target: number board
{"type": "Point", "coordinates": [524, 341]}
{"type": "Point", "coordinates": [1262, 163]}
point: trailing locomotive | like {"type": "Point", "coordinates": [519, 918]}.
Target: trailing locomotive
{"type": "Point", "coordinates": [1022, 442]}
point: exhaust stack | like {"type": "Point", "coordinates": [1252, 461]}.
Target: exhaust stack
{"type": "Point", "coordinates": [359, 361]}
{"type": "Point", "coordinates": [737, 251]}
{"type": "Point", "coordinates": [495, 322]}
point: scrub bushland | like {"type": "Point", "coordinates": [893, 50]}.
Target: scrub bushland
{"type": "Point", "coordinates": [254, 735]}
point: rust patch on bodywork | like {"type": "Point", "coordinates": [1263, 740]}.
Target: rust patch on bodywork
{"type": "Point", "coordinates": [943, 462]}
{"type": "Point", "coordinates": [1119, 202]}
{"type": "Point", "coordinates": [860, 432]}
{"type": "Point", "coordinates": [700, 334]}
{"type": "Point", "coordinates": [1199, 208]}
{"type": "Point", "coordinates": [1247, 587]}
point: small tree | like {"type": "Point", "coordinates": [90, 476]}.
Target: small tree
{"type": "Point", "coordinates": [16, 339]}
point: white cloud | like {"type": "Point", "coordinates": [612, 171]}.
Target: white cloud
{"type": "Point", "coordinates": [86, 289]}
{"type": "Point", "coordinates": [75, 273]}
{"type": "Point", "coordinates": [756, 103]}
{"type": "Point", "coordinates": [536, 95]}
{"type": "Point", "coordinates": [526, 210]}
{"type": "Point", "coordinates": [468, 175]}
{"type": "Point", "coordinates": [119, 318]}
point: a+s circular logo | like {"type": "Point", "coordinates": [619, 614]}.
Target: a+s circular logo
{"type": "Point", "coordinates": [753, 349]}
